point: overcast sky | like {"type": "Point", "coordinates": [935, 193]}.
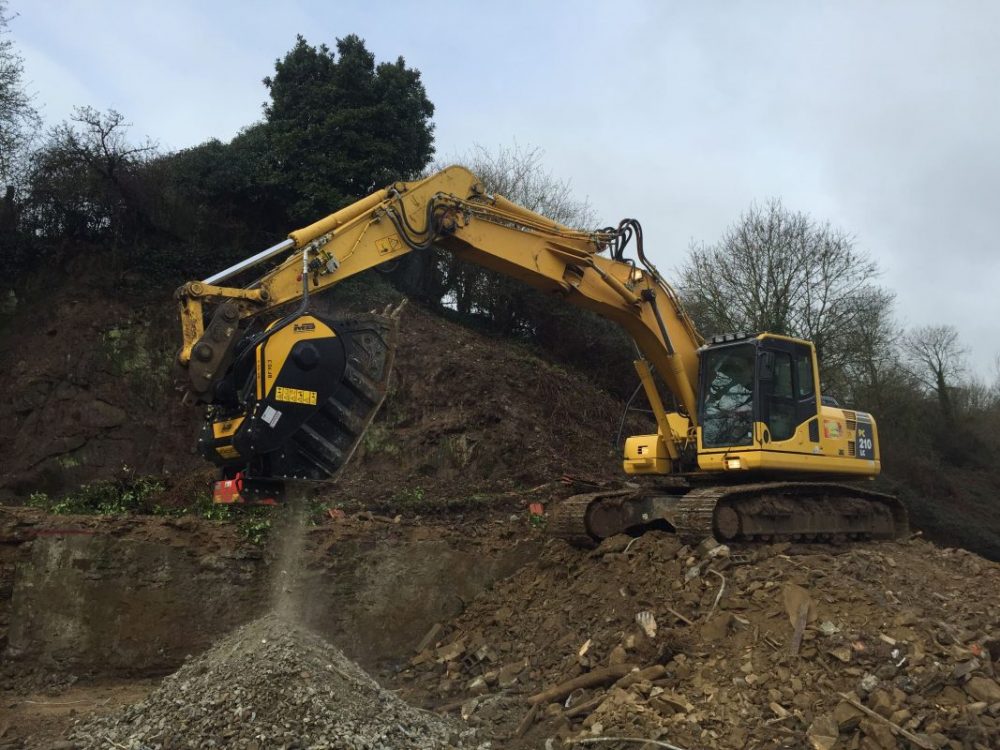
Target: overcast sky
{"type": "Point", "coordinates": [883, 118]}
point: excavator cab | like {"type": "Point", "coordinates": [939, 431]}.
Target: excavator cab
{"type": "Point", "coordinates": [760, 409]}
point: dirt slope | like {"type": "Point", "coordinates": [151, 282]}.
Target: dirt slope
{"type": "Point", "coordinates": [90, 388]}
{"type": "Point", "coordinates": [469, 416]}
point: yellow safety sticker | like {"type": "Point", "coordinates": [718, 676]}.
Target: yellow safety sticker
{"type": "Point", "coordinates": [387, 245]}
{"type": "Point", "coordinates": [295, 396]}
{"type": "Point", "coordinates": [227, 428]}
{"type": "Point", "coordinates": [227, 451]}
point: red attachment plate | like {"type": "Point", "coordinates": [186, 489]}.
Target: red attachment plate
{"type": "Point", "coordinates": [231, 491]}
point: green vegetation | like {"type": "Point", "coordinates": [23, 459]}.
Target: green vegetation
{"type": "Point", "coordinates": [132, 494]}
{"type": "Point", "coordinates": [256, 526]}
{"type": "Point", "coordinates": [410, 497]}
{"type": "Point", "coordinates": [126, 494]}
{"type": "Point", "coordinates": [212, 511]}
{"type": "Point", "coordinates": [378, 439]}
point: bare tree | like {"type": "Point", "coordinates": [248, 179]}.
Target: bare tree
{"type": "Point", "coordinates": [780, 271]}
{"type": "Point", "coordinates": [518, 173]}
{"type": "Point", "coordinates": [995, 387]}
{"type": "Point", "coordinates": [100, 140]}
{"type": "Point", "coordinates": [18, 122]}
{"type": "Point", "coordinates": [937, 359]}
{"type": "Point", "coordinates": [84, 178]}
{"type": "Point", "coordinates": [865, 364]}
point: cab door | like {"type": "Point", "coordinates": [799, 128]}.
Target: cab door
{"type": "Point", "coordinates": [788, 401]}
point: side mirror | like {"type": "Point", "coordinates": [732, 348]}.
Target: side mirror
{"type": "Point", "coordinates": [765, 366]}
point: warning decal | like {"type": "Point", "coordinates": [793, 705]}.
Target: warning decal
{"type": "Point", "coordinates": [271, 416]}
{"type": "Point", "coordinates": [295, 396]}
{"type": "Point", "coordinates": [387, 245]}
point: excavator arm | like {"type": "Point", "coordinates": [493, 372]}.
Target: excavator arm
{"type": "Point", "coordinates": [240, 366]}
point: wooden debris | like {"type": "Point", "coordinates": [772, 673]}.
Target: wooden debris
{"type": "Point", "coordinates": [679, 616]}
{"type": "Point", "coordinates": [800, 628]}
{"type": "Point", "coordinates": [595, 678]}
{"type": "Point", "coordinates": [918, 740]}
{"type": "Point", "coordinates": [447, 708]}
{"type": "Point", "coordinates": [527, 721]}
{"type": "Point", "coordinates": [649, 674]}
{"type": "Point", "coordinates": [640, 740]}
{"type": "Point", "coordinates": [583, 708]}
{"type": "Point", "coordinates": [426, 641]}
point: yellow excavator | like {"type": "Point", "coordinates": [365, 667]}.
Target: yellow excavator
{"type": "Point", "coordinates": [748, 450]}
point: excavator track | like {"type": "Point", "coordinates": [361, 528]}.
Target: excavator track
{"type": "Point", "coordinates": [764, 512]}
{"type": "Point", "coordinates": [569, 520]}
{"type": "Point", "coordinates": [573, 519]}
{"type": "Point", "coordinates": [583, 520]}
{"type": "Point", "coordinates": [694, 519]}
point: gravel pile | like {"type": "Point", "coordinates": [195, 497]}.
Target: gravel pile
{"type": "Point", "coordinates": [271, 684]}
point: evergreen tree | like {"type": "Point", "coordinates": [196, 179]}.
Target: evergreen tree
{"type": "Point", "coordinates": [338, 126]}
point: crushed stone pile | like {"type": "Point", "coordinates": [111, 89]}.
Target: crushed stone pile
{"type": "Point", "coordinates": [271, 684]}
{"type": "Point", "coordinates": [870, 646]}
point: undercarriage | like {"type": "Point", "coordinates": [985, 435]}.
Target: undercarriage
{"type": "Point", "coordinates": [760, 512]}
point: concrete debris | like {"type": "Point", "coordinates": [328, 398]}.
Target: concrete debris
{"type": "Point", "coordinates": [869, 670]}
{"type": "Point", "coordinates": [983, 689]}
{"type": "Point", "coordinates": [827, 628]}
{"type": "Point", "coordinates": [823, 732]}
{"type": "Point", "coordinates": [647, 621]}
{"type": "Point", "coordinates": [796, 598]}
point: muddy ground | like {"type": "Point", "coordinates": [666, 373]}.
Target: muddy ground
{"type": "Point", "coordinates": [474, 618]}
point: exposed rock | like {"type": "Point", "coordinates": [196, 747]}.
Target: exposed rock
{"type": "Point", "coordinates": [101, 414]}
{"type": "Point", "coordinates": [983, 689]}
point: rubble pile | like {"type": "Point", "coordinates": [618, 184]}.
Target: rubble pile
{"type": "Point", "coordinates": [863, 647]}
{"type": "Point", "coordinates": [270, 684]}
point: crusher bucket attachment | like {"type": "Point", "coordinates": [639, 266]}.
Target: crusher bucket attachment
{"type": "Point", "coordinates": [311, 386]}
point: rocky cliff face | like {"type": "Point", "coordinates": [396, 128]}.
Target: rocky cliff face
{"type": "Point", "coordinates": [136, 595]}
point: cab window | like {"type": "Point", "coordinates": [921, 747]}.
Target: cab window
{"type": "Point", "coordinates": [803, 363]}
{"type": "Point", "coordinates": [782, 420]}
{"type": "Point", "coordinates": [727, 400]}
